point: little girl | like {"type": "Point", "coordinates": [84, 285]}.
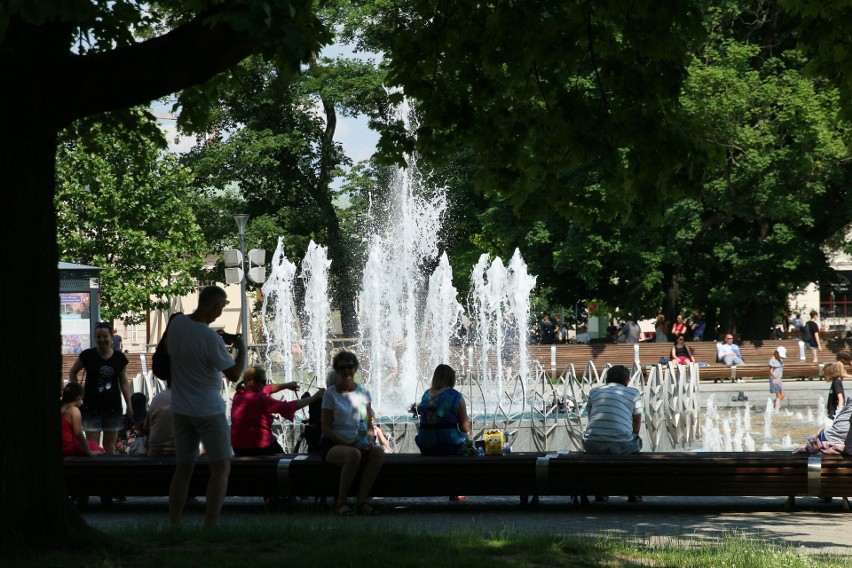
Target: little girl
{"type": "Point", "coordinates": [74, 442]}
{"type": "Point", "coordinates": [776, 374]}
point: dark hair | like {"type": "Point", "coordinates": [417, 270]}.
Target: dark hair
{"type": "Point", "coordinates": [813, 313]}
{"type": "Point", "coordinates": [678, 336]}
{"type": "Point", "coordinates": [443, 377]}
{"type": "Point", "coordinates": [139, 404]}
{"type": "Point", "coordinates": [71, 392]}
{"type": "Point", "coordinates": [211, 295]}
{"type": "Point", "coordinates": [106, 326]}
{"type": "Point", "coordinates": [845, 357]}
{"type": "Point", "coordinates": [618, 374]}
{"type": "Point", "coordinates": [344, 356]}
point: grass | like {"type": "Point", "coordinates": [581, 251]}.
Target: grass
{"type": "Point", "coordinates": [335, 543]}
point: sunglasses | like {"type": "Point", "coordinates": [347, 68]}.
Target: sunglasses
{"type": "Point", "coordinates": [349, 367]}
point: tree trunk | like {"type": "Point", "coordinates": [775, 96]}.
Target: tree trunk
{"type": "Point", "coordinates": [34, 507]}
{"type": "Point", "coordinates": [755, 321]}
{"type": "Point", "coordinates": [726, 319]}
{"type": "Point", "coordinates": [672, 297]}
{"type": "Point", "coordinates": [338, 252]}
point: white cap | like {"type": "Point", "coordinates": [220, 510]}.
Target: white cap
{"type": "Point", "coordinates": [782, 351]}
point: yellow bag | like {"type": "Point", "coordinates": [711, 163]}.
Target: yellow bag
{"type": "Point", "coordinates": [493, 442]}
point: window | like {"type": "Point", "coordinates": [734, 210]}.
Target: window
{"type": "Point", "coordinates": [835, 300]}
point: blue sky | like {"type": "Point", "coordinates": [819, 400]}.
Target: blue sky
{"type": "Point", "coordinates": [359, 142]}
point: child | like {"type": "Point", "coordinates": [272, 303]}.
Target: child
{"type": "Point", "coordinates": [74, 442]}
{"type": "Point", "coordinates": [381, 438]}
{"type": "Point", "coordinates": [833, 373]}
{"type": "Point", "coordinates": [776, 373]}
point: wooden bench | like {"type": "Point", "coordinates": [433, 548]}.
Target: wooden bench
{"type": "Point", "coordinates": [524, 475]}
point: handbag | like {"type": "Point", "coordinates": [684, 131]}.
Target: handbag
{"type": "Point", "coordinates": [138, 447]}
{"type": "Point", "coordinates": [161, 361]}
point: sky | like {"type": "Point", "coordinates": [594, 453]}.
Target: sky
{"type": "Point", "coordinates": [359, 142]}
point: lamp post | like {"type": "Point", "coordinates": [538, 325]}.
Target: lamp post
{"type": "Point", "coordinates": [242, 221]}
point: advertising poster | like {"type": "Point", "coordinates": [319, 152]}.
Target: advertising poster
{"type": "Point", "coordinates": [75, 315]}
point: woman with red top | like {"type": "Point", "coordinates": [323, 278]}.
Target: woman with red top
{"type": "Point", "coordinates": [679, 326]}
{"type": "Point", "coordinates": [74, 442]}
{"type": "Point", "coordinates": [252, 413]}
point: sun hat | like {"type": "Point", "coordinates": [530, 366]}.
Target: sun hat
{"type": "Point", "coordinates": [782, 351]}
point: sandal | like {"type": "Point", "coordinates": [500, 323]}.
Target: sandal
{"type": "Point", "coordinates": [344, 510]}
{"type": "Point", "coordinates": [364, 509]}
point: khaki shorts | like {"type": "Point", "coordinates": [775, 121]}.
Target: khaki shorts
{"type": "Point", "coordinates": [213, 431]}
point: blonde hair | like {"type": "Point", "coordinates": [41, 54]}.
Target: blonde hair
{"type": "Point", "coordinates": [832, 371]}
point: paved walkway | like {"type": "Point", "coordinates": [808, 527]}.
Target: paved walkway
{"type": "Point", "coordinates": [815, 526]}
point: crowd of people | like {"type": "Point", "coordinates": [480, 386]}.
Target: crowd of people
{"type": "Point", "coordinates": [189, 416]}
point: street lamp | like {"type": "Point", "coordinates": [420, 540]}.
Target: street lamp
{"type": "Point", "coordinates": [242, 221]}
{"type": "Point", "coordinates": [238, 267]}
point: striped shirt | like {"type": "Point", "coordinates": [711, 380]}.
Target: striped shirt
{"type": "Point", "coordinates": [611, 410]}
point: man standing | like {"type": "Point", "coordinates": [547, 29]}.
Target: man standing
{"type": "Point", "coordinates": [698, 325]}
{"type": "Point", "coordinates": [810, 335]}
{"type": "Point", "coordinates": [615, 418]}
{"type": "Point", "coordinates": [630, 331]}
{"type": "Point", "coordinates": [198, 359]}
{"type": "Point", "coordinates": [548, 331]}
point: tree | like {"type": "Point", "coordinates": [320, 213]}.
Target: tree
{"type": "Point", "coordinates": [824, 39]}
{"type": "Point", "coordinates": [546, 92]}
{"type": "Point", "coordinates": [715, 163]}
{"type": "Point", "coordinates": [61, 62]}
{"type": "Point", "coordinates": [778, 189]}
{"type": "Point", "coordinates": [269, 141]}
{"type": "Point", "coordinates": [124, 205]}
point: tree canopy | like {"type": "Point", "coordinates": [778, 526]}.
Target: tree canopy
{"type": "Point", "coordinates": [124, 205]}
{"type": "Point", "coordinates": [62, 62]}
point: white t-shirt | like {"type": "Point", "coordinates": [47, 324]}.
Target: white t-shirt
{"type": "Point", "coordinates": [198, 357]}
{"type": "Point", "coordinates": [348, 408]}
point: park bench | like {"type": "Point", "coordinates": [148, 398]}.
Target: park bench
{"type": "Point", "coordinates": [523, 475]}
{"type": "Point", "coordinates": [755, 354]}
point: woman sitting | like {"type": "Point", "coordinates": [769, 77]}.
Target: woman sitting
{"type": "Point", "coordinates": [74, 442]}
{"type": "Point", "coordinates": [444, 424]}
{"type": "Point", "coordinates": [252, 413]}
{"type": "Point", "coordinates": [347, 436]}
{"type": "Point", "coordinates": [681, 353]}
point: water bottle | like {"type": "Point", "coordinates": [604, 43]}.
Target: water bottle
{"type": "Point", "coordinates": [363, 442]}
{"type": "Point", "coordinates": [507, 449]}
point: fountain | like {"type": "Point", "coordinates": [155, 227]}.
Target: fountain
{"type": "Point", "coordinates": [407, 322]}
{"type": "Point", "coordinates": [767, 418]}
{"type": "Point", "coordinates": [315, 276]}
{"type": "Point", "coordinates": [280, 323]}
